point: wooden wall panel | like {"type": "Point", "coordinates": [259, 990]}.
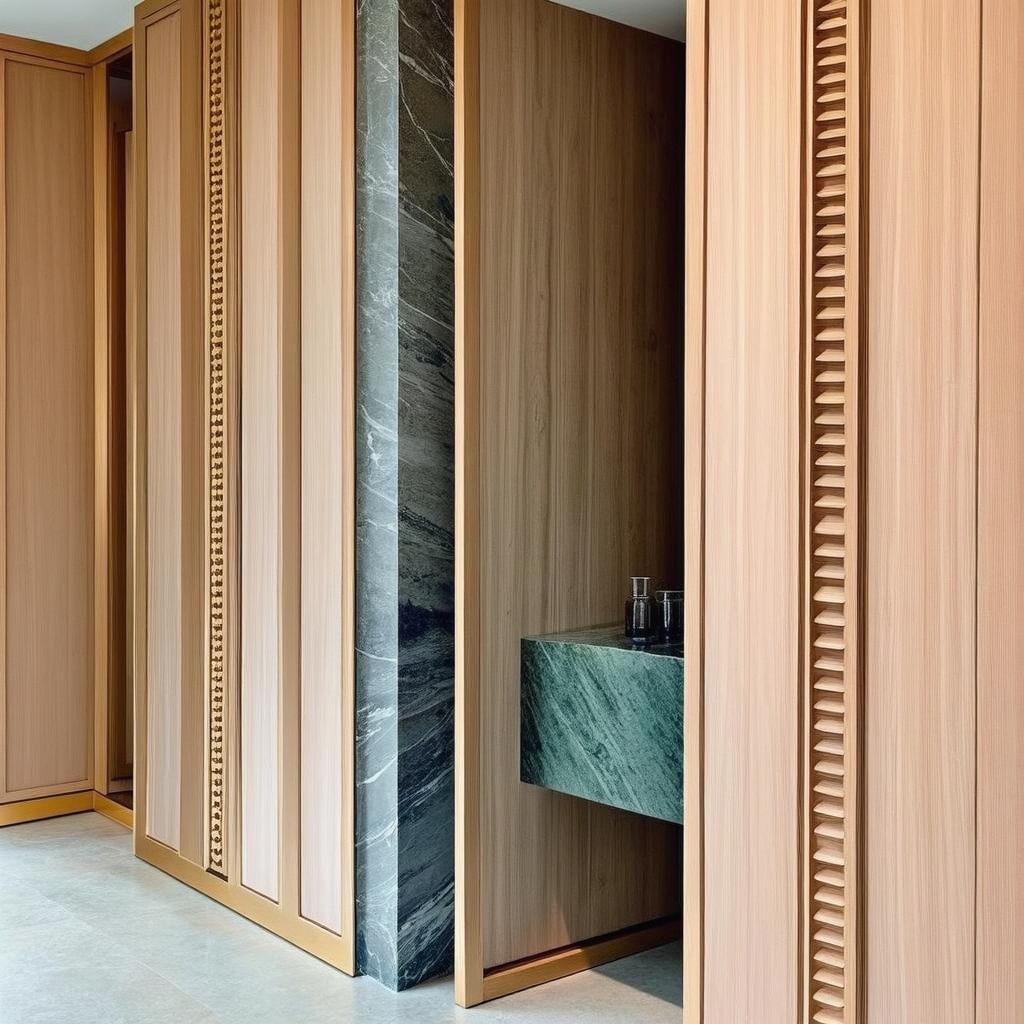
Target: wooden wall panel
{"type": "Point", "coordinates": [245, 837]}
{"type": "Point", "coordinates": [328, 347]}
{"type": "Point", "coordinates": [1000, 811]}
{"type": "Point", "coordinates": [163, 332]}
{"type": "Point", "coordinates": [169, 374]}
{"type": "Point", "coordinates": [47, 434]}
{"type": "Point", "coordinates": [576, 357]}
{"type": "Point", "coordinates": [269, 527]}
{"type": "Point", "coordinates": [750, 676]}
{"type": "Point", "coordinates": [920, 567]}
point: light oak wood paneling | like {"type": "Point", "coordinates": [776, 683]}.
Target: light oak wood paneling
{"type": "Point", "coordinates": [163, 330]}
{"type": "Point", "coordinates": [565, 488]}
{"type": "Point", "coordinates": [48, 430]}
{"type": "Point", "coordinates": [270, 456]}
{"type": "Point", "coordinates": [1000, 698]}
{"type": "Point", "coordinates": [695, 174]}
{"type": "Point", "coordinates": [752, 549]}
{"type": "Point", "coordinates": [921, 526]}
{"type": "Point", "coordinates": [239, 441]}
{"type": "Point", "coordinates": [328, 500]}
{"type": "Point", "coordinates": [169, 376]}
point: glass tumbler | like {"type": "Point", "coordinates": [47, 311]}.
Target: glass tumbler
{"type": "Point", "coordinates": [670, 616]}
{"type": "Point", "coordinates": [641, 626]}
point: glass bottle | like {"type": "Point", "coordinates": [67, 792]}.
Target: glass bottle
{"type": "Point", "coordinates": [640, 618]}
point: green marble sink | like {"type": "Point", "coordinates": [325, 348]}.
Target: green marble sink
{"type": "Point", "coordinates": [603, 720]}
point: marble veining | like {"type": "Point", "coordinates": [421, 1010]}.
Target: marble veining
{"type": "Point", "coordinates": [405, 491]}
{"type": "Point", "coordinates": [603, 720]}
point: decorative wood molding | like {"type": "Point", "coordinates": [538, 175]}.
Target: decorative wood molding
{"type": "Point", "coordinates": [832, 514]}
{"type": "Point", "coordinates": [214, 74]}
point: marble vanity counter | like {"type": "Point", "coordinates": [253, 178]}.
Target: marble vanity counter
{"type": "Point", "coordinates": [603, 720]}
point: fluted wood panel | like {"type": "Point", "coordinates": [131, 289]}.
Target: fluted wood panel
{"type": "Point", "coordinates": [1000, 811]}
{"type": "Point", "coordinates": [920, 463]}
{"type": "Point", "coordinates": [46, 434]}
{"type": "Point", "coordinates": [832, 512]}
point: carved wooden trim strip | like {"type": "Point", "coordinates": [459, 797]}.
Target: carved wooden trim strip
{"type": "Point", "coordinates": [831, 771]}
{"type": "Point", "coordinates": [216, 304]}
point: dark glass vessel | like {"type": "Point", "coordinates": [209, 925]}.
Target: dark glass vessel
{"type": "Point", "coordinates": [641, 620]}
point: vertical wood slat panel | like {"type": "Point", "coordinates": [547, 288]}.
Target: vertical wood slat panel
{"type": "Point", "coordinates": [1000, 811]}
{"type": "Point", "coordinates": [47, 435]}
{"type": "Point", "coordinates": [163, 428]}
{"type": "Point", "coordinates": [327, 457]}
{"type": "Point", "coordinates": [832, 518]}
{"type": "Point", "coordinates": [270, 492]}
{"type": "Point", "coordinates": [920, 569]}
{"type": "Point", "coordinates": [752, 499]}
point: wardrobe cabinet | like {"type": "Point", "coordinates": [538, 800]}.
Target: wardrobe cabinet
{"type": "Point", "coordinates": [243, 414]}
{"type": "Point", "coordinates": [855, 463]}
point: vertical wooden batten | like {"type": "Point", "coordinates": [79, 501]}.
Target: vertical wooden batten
{"type": "Point", "coordinates": [999, 985]}
{"type": "Point", "coordinates": [327, 464]}
{"type": "Point", "coordinates": [695, 171]}
{"type": "Point", "coordinates": [469, 966]}
{"type": "Point", "coordinates": [920, 469]}
{"type": "Point", "coordinates": [745, 577]}
{"type": "Point", "coordinates": [832, 513]}
{"type": "Point", "coordinates": [219, 322]}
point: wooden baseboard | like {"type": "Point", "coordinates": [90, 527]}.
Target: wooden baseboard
{"type": "Point", "coordinates": [22, 811]}
{"type": "Point", "coordinates": [560, 963]}
{"type": "Point", "coordinates": [336, 950]}
{"type": "Point", "coordinates": [113, 810]}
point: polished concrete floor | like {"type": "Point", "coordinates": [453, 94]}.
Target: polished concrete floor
{"type": "Point", "coordinates": [90, 935]}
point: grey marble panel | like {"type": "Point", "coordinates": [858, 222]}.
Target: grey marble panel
{"type": "Point", "coordinates": [405, 484]}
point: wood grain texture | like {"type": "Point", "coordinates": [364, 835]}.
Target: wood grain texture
{"type": "Point", "coordinates": [112, 112]}
{"type": "Point", "coordinates": [328, 459]}
{"type": "Point", "coordinates": [752, 549]}
{"type": "Point", "coordinates": [577, 362]}
{"type": "Point", "coordinates": [1000, 810]}
{"type": "Point", "coordinates": [831, 514]}
{"type": "Point", "coordinates": [270, 457]}
{"type": "Point", "coordinates": [163, 456]}
{"type": "Point", "coordinates": [921, 525]}
{"type": "Point", "coordinates": [48, 429]}
{"type": "Point", "coordinates": [190, 209]}
{"type": "Point", "coordinates": [695, 173]}
{"type": "Point", "coordinates": [261, 446]}
{"type": "Point", "coordinates": [469, 946]}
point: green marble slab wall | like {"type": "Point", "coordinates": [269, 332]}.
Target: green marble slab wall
{"type": "Point", "coordinates": [603, 720]}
